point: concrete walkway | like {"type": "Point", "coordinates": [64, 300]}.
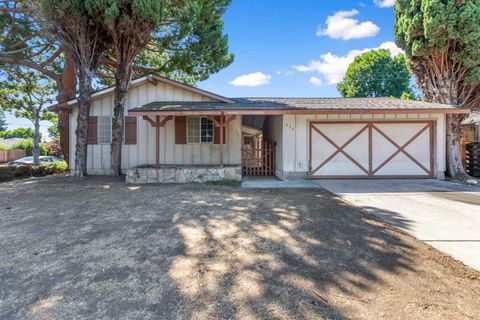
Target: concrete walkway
{"type": "Point", "coordinates": [445, 215]}
{"type": "Point", "coordinates": [273, 182]}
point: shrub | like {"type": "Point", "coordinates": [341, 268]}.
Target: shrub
{"type": "Point", "coordinates": [23, 133]}
{"type": "Point", "coordinates": [10, 172]}
{"type": "Point", "coordinates": [23, 171]}
{"type": "Point", "coordinates": [6, 173]}
{"type": "Point", "coordinates": [27, 145]}
{"type": "Point", "coordinates": [53, 148]}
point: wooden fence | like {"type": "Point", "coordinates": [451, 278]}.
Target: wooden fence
{"type": "Point", "coordinates": [473, 159]}
{"type": "Point", "coordinates": [258, 159]}
{"type": "Point", "coordinates": [11, 154]}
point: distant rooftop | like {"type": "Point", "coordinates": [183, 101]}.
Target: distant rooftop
{"type": "Point", "coordinates": [473, 118]}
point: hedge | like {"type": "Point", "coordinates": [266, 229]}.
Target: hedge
{"type": "Point", "coordinates": [27, 145]}
{"type": "Point", "coordinates": [12, 172]}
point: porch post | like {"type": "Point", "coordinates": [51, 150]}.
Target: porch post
{"type": "Point", "coordinates": [157, 139]}
{"type": "Point", "coordinates": [221, 139]}
{"type": "Point", "coordinates": [157, 124]}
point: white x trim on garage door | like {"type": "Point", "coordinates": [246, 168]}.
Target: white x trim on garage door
{"type": "Point", "coordinates": [371, 149]}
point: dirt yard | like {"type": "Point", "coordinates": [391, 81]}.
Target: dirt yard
{"type": "Point", "coordinates": [97, 248]}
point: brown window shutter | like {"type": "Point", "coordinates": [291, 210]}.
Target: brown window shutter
{"type": "Point", "coordinates": [216, 132]}
{"type": "Point", "coordinates": [180, 130]}
{"type": "Point", "coordinates": [130, 130]}
{"type": "Point", "coordinates": [92, 130]}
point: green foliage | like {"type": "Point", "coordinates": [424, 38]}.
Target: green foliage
{"type": "Point", "coordinates": [408, 96]}
{"type": "Point", "coordinates": [3, 122]}
{"type": "Point", "coordinates": [27, 145]}
{"type": "Point", "coordinates": [26, 93]}
{"type": "Point", "coordinates": [195, 44]}
{"type": "Point", "coordinates": [53, 129]}
{"type": "Point", "coordinates": [188, 45]}
{"type": "Point", "coordinates": [22, 133]}
{"type": "Point", "coordinates": [426, 27]}
{"type": "Point", "coordinates": [376, 73]}
{"type": "Point", "coordinates": [11, 172]}
{"type": "Point", "coordinates": [149, 11]}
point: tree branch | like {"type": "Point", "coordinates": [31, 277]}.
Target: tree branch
{"type": "Point", "coordinates": [10, 59]}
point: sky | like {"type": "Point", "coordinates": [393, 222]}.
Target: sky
{"type": "Point", "coordinates": [298, 48]}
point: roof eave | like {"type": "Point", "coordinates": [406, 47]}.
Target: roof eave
{"type": "Point", "coordinates": [293, 111]}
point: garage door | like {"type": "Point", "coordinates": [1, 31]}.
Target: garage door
{"type": "Point", "coordinates": [371, 150]}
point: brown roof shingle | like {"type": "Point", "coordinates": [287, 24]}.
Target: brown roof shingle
{"type": "Point", "coordinates": [294, 104]}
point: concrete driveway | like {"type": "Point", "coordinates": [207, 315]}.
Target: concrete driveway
{"type": "Point", "coordinates": [445, 215]}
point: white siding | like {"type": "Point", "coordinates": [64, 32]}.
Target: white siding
{"type": "Point", "coordinates": [296, 137]}
{"type": "Point", "coordinates": [98, 158]}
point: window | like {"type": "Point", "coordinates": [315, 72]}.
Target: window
{"type": "Point", "coordinates": [104, 130]}
{"type": "Point", "coordinates": [199, 130]}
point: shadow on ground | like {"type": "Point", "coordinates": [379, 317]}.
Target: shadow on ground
{"type": "Point", "coordinates": [96, 248]}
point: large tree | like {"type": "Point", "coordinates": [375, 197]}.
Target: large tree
{"type": "Point", "coordinates": [180, 37]}
{"type": "Point", "coordinates": [84, 40]}
{"type": "Point", "coordinates": [130, 24]}
{"type": "Point", "coordinates": [187, 46]}
{"type": "Point", "coordinates": [442, 41]}
{"type": "Point", "coordinates": [376, 73]}
{"type": "Point", "coordinates": [25, 42]}
{"type": "Point", "coordinates": [26, 94]}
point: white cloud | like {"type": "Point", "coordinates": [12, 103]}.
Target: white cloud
{"type": "Point", "coordinates": [316, 81]}
{"type": "Point", "coordinates": [286, 73]}
{"type": "Point", "coordinates": [251, 80]}
{"type": "Point", "coordinates": [342, 26]}
{"type": "Point", "coordinates": [333, 67]}
{"type": "Point", "coordinates": [394, 50]}
{"type": "Point", "coordinates": [384, 3]}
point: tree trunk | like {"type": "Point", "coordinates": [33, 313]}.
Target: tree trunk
{"type": "Point", "coordinates": [36, 141]}
{"type": "Point", "coordinates": [66, 91]}
{"type": "Point", "coordinates": [122, 81]}
{"type": "Point", "coordinates": [85, 77]}
{"type": "Point", "coordinates": [447, 93]}
{"type": "Point", "coordinates": [454, 159]}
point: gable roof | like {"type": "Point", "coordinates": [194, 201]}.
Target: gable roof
{"type": "Point", "coordinates": [295, 105]}
{"type": "Point", "coordinates": [152, 78]}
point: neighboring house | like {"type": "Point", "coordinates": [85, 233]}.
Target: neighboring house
{"type": "Point", "coordinates": [471, 127]}
{"type": "Point", "coordinates": [176, 128]}
{"type": "Point", "coordinates": [470, 133]}
{"type": "Point", "coordinates": [8, 143]}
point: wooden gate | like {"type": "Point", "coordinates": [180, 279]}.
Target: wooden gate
{"type": "Point", "coordinates": [258, 158]}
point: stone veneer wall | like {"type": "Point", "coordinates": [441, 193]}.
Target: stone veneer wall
{"type": "Point", "coordinates": [183, 174]}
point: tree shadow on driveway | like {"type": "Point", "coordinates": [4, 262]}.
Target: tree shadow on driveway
{"type": "Point", "coordinates": [107, 250]}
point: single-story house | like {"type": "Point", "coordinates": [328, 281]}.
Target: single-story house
{"type": "Point", "coordinates": [178, 133]}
